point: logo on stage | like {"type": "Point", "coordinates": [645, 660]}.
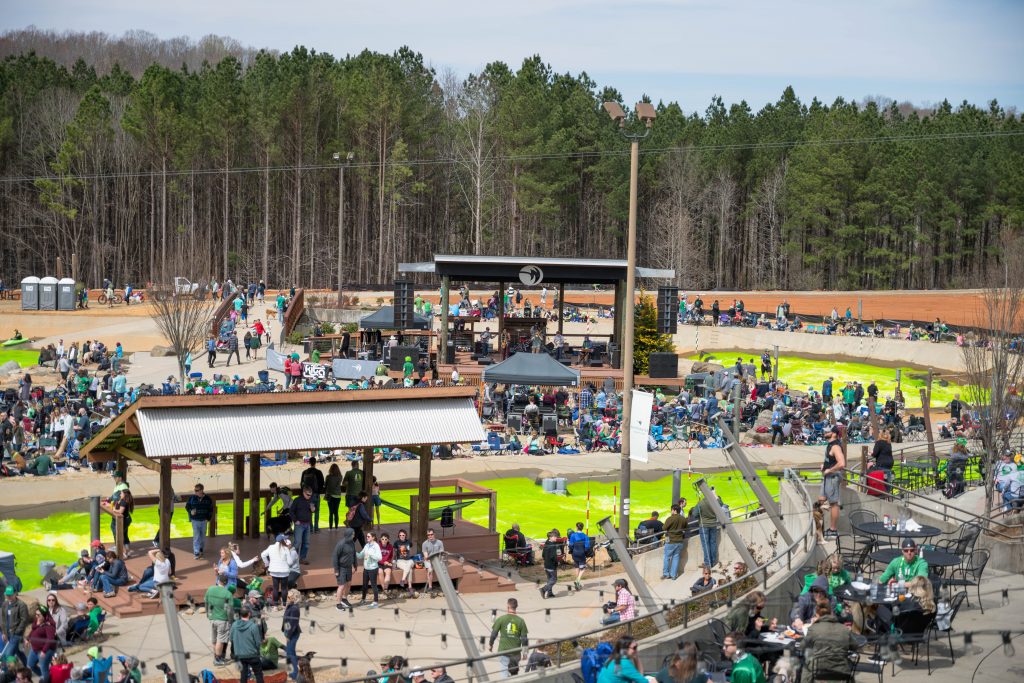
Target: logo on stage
{"type": "Point", "coordinates": [531, 275]}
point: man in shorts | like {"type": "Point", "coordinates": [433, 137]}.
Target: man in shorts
{"type": "Point", "coordinates": [832, 477]}
{"type": "Point", "coordinates": [218, 605]}
{"type": "Point", "coordinates": [432, 546]}
{"type": "Point", "coordinates": [344, 561]}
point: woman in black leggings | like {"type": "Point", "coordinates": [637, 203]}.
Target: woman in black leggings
{"type": "Point", "coordinates": [371, 556]}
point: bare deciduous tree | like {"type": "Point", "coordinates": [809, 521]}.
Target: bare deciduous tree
{"type": "Point", "coordinates": [183, 319]}
{"type": "Point", "coordinates": [994, 366]}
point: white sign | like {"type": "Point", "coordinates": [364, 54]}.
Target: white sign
{"type": "Point", "coordinates": [641, 404]}
{"type": "Point", "coordinates": [531, 275]}
{"type": "Point", "coordinates": [314, 371]}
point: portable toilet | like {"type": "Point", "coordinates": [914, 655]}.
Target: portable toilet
{"type": "Point", "coordinates": [66, 294]}
{"type": "Point", "coordinates": [30, 294]}
{"type": "Point", "coordinates": [48, 294]}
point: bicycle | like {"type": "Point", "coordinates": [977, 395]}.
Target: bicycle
{"type": "Point", "coordinates": [118, 298]}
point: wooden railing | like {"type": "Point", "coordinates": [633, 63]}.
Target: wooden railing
{"type": "Point", "coordinates": [295, 309]}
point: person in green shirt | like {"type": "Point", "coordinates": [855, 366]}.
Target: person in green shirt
{"type": "Point", "coordinates": [270, 652]}
{"type": "Point", "coordinates": [408, 368]}
{"type": "Point", "coordinates": [906, 567]}
{"type": "Point", "coordinates": [218, 600]}
{"type": "Point", "coordinates": [510, 631]}
{"type": "Point", "coordinates": [315, 356]}
{"type": "Point", "coordinates": [40, 465]}
{"type": "Point", "coordinates": [131, 672]}
{"type": "Point", "coordinates": [745, 667]}
{"type": "Point", "coordinates": [381, 371]}
{"type": "Point", "coordinates": [353, 483]}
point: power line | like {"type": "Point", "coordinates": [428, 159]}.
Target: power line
{"type": "Point", "coordinates": [446, 161]}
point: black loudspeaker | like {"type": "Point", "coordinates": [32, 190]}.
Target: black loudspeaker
{"type": "Point", "coordinates": [663, 365]}
{"type": "Point", "coordinates": [668, 307]}
{"type": "Point", "coordinates": [514, 421]}
{"type": "Point", "coordinates": [550, 425]}
{"type": "Point", "coordinates": [484, 360]}
{"type": "Point", "coordinates": [405, 294]}
{"type": "Point", "coordinates": [399, 353]}
{"type": "Point", "coordinates": [615, 358]}
{"type": "Point", "coordinates": [449, 354]}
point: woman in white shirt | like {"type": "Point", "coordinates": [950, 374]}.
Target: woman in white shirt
{"type": "Point", "coordinates": [371, 556]}
{"type": "Point", "coordinates": [161, 574]}
{"type": "Point", "coordinates": [281, 561]}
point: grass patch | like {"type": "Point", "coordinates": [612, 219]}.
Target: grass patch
{"type": "Point", "coordinates": [800, 373]}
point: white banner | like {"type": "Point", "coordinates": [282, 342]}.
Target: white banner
{"type": "Point", "coordinates": [640, 424]}
{"type": "Point", "coordinates": [275, 360]}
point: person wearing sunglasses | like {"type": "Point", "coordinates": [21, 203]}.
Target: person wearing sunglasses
{"type": "Point", "coordinates": [905, 567]}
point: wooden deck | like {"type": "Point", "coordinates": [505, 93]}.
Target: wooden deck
{"type": "Point", "coordinates": [468, 540]}
{"type": "Point", "coordinates": [471, 373]}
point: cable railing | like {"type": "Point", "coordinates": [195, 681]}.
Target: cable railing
{"type": "Point", "coordinates": [678, 613]}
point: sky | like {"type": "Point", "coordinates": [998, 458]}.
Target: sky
{"type": "Point", "coordinates": [686, 51]}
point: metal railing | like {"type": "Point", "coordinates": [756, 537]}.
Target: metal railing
{"type": "Point", "coordinates": [680, 613]}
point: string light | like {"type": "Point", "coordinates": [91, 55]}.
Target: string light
{"type": "Point", "coordinates": [547, 615]}
{"type": "Point", "coordinates": [444, 641]}
{"type": "Point", "coordinates": [1006, 596]}
{"type": "Point", "coordinates": [373, 635]}
{"type": "Point", "coordinates": [444, 614]}
{"type": "Point", "coordinates": [341, 631]}
{"type": "Point", "coordinates": [494, 613]}
{"type": "Point", "coordinates": [408, 638]}
{"type": "Point", "coordinates": [1008, 645]}
{"type": "Point", "coordinates": [312, 625]}
{"type": "Point", "coordinates": [396, 614]}
{"type": "Point", "coordinates": [344, 666]}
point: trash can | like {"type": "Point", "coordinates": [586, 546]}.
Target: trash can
{"type": "Point", "coordinates": [66, 294]}
{"type": "Point", "coordinates": [48, 294]}
{"type": "Point", "coordinates": [30, 294]}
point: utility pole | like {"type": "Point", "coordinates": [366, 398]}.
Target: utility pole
{"type": "Point", "coordinates": [341, 219]}
{"type": "Point", "coordinates": [173, 630]}
{"type": "Point", "coordinates": [439, 562]}
{"type": "Point", "coordinates": [645, 113]}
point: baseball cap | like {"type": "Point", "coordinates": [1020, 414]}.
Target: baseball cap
{"type": "Point", "coordinates": [9, 590]}
{"type": "Point", "coordinates": [908, 543]}
{"type": "Point", "coordinates": [93, 652]}
{"type": "Point", "coordinates": [281, 537]}
{"type": "Point", "coordinates": [117, 473]}
{"type": "Point", "coordinates": [254, 594]}
{"type": "Point", "coordinates": [96, 543]}
{"type": "Point", "coordinates": [416, 674]}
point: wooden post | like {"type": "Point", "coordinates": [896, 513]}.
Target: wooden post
{"type": "Point", "coordinates": [423, 514]}
{"type": "Point", "coordinates": [561, 305]}
{"type": "Point", "coordinates": [166, 502]}
{"type": "Point", "coordinates": [74, 267]}
{"type": "Point", "coordinates": [119, 535]}
{"type": "Point", "coordinates": [873, 418]}
{"type": "Point", "coordinates": [254, 496]}
{"type": "Point", "coordinates": [368, 472]}
{"type": "Point", "coordinates": [122, 466]}
{"type": "Point", "coordinates": [60, 268]}
{"type": "Point", "coordinates": [926, 409]}
{"type": "Point", "coordinates": [863, 460]}
{"type": "Point", "coordinates": [775, 364]}
{"type": "Point", "coordinates": [492, 512]}
{"type": "Point", "coordinates": [501, 314]}
{"type": "Point", "coordinates": [238, 497]}
{"type": "Point", "coordinates": [211, 528]}
{"type": "Point", "coordinates": [458, 510]}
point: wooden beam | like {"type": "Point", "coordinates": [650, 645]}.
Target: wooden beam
{"type": "Point", "coordinates": [166, 502]}
{"type": "Point", "coordinates": [561, 305]}
{"type": "Point", "coordinates": [238, 497]}
{"type": "Point", "coordinates": [423, 513]}
{"type": "Point", "coordinates": [254, 496]}
{"type": "Point", "coordinates": [926, 408]}
{"type": "Point", "coordinates": [368, 473]}
{"type": "Point", "coordinates": [148, 463]}
{"type": "Point", "coordinates": [874, 418]}
{"type": "Point", "coordinates": [131, 427]}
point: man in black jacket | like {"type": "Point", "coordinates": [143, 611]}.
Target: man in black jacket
{"type": "Point", "coordinates": [552, 548]}
{"type": "Point", "coordinates": [313, 479]}
{"type": "Point", "coordinates": [302, 517]}
{"type": "Point", "coordinates": [14, 621]}
{"type": "Point", "coordinates": [344, 561]}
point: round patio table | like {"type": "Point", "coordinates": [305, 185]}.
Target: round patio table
{"type": "Point", "coordinates": [879, 529]}
{"type": "Point", "coordinates": [934, 558]}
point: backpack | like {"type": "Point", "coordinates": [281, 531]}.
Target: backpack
{"type": "Point", "coordinates": [592, 659]}
{"type": "Point", "coordinates": [351, 514]}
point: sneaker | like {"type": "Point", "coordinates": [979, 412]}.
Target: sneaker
{"type": "Point", "coordinates": [340, 607]}
{"type": "Point", "coordinates": [195, 555]}
{"type": "Point", "coordinates": [579, 586]}
{"type": "Point", "coordinates": [219, 661]}
{"type": "Point", "coordinates": [543, 594]}
{"type": "Point", "coordinates": [372, 605]}
{"type": "Point", "coordinates": [346, 603]}
{"type": "Point", "coordinates": [109, 594]}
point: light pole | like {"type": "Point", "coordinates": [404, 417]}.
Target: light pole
{"type": "Point", "coordinates": [646, 114]}
{"type": "Point", "coordinates": [341, 217]}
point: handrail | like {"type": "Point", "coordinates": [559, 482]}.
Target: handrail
{"type": "Point", "coordinates": [805, 544]}
{"type": "Point", "coordinates": [294, 311]}
{"type": "Point", "coordinates": [908, 495]}
{"type": "Point", "coordinates": [221, 312]}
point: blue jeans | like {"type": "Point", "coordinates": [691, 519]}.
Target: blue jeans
{"type": "Point", "coordinates": [709, 543]}
{"type": "Point", "coordinates": [198, 536]}
{"type": "Point", "coordinates": [613, 618]}
{"type": "Point", "coordinates": [670, 566]}
{"type": "Point", "coordinates": [302, 539]}
{"type": "Point", "coordinates": [40, 663]}
{"type": "Point", "coordinates": [108, 584]}
{"type": "Point", "coordinates": [291, 656]}
{"type": "Point", "coordinates": [315, 500]}
{"type": "Point", "coordinates": [13, 649]}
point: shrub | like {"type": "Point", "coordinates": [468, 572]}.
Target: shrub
{"type": "Point", "coordinates": [327, 327]}
{"type": "Point", "coordinates": [646, 339]}
{"type": "Point", "coordinates": [295, 337]}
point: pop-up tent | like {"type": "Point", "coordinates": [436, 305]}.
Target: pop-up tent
{"type": "Point", "coordinates": [384, 319]}
{"type": "Point", "coordinates": [532, 368]}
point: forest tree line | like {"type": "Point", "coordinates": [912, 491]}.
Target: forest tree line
{"type": "Point", "coordinates": [136, 152]}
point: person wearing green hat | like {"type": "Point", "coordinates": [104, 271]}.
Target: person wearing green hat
{"type": "Point", "coordinates": [407, 368]}
{"type": "Point", "coordinates": [120, 504]}
{"type": "Point", "coordinates": [14, 621]}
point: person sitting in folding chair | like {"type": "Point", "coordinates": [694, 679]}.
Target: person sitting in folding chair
{"type": "Point", "coordinates": [517, 548]}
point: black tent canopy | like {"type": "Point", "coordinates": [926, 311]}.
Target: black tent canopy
{"type": "Point", "coordinates": [384, 319]}
{"type": "Point", "coordinates": [532, 368]}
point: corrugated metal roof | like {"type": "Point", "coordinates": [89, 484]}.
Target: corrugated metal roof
{"type": "Point", "coordinates": [210, 430]}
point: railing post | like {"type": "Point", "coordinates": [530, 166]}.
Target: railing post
{"type": "Point", "coordinates": [686, 614]}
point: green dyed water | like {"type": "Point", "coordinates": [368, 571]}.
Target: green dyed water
{"type": "Point", "coordinates": [22, 357]}
{"type": "Point", "coordinates": [800, 373]}
{"type": "Point", "coordinates": [60, 537]}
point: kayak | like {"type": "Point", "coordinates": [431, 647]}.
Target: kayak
{"type": "Point", "coordinates": [14, 342]}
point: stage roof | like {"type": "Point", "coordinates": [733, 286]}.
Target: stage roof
{"type": "Point", "coordinates": [537, 269]}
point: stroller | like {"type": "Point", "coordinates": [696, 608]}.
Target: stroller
{"type": "Point", "coordinates": [956, 477]}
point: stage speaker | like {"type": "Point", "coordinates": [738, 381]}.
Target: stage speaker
{"type": "Point", "coordinates": [550, 425]}
{"type": "Point", "coordinates": [449, 354]}
{"type": "Point", "coordinates": [668, 310]}
{"type": "Point", "coordinates": [664, 365]}
{"type": "Point", "coordinates": [615, 357]}
{"type": "Point", "coordinates": [398, 354]}
{"type": "Point", "coordinates": [484, 360]}
{"type": "Point", "coordinates": [514, 421]}
{"type": "Point", "coordinates": [405, 294]}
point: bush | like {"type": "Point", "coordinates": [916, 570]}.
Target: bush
{"type": "Point", "coordinates": [646, 339]}
{"type": "Point", "coordinates": [295, 337]}
{"type": "Point", "coordinates": [327, 327]}
{"type": "Point", "coordinates": [351, 328]}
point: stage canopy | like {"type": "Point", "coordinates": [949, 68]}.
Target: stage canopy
{"type": "Point", "coordinates": [532, 368]}
{"type": "Point", "coordinates": [384, 319]}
